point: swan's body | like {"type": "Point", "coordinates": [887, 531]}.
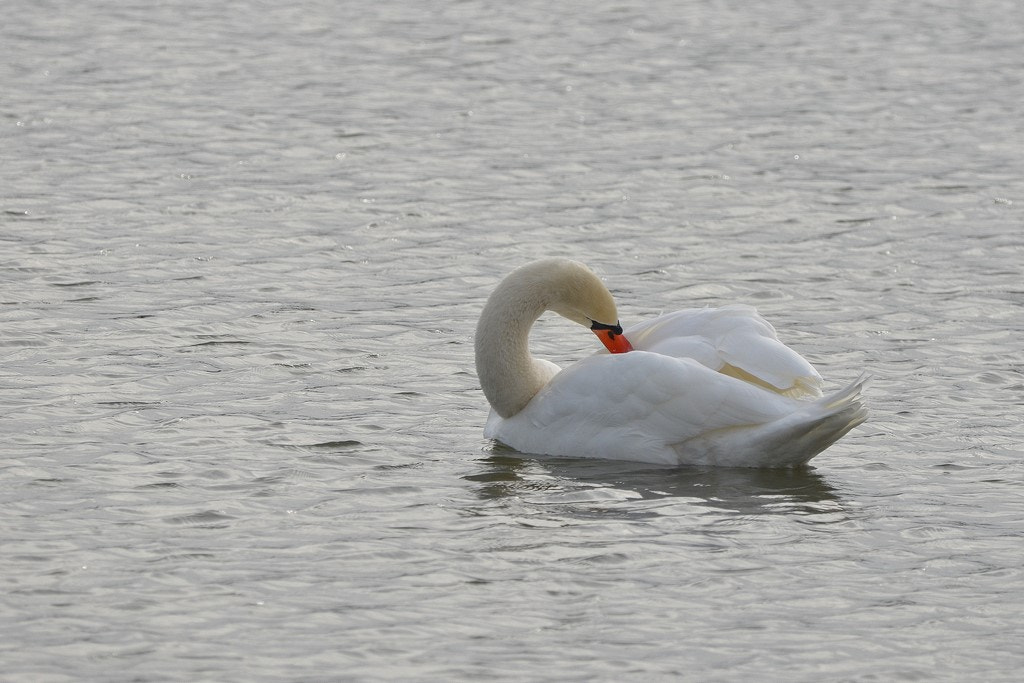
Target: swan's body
{"type": "Point", "coordinates": [696, 387]}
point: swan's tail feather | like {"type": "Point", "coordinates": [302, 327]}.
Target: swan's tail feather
{"type": "Point", "coordinates": [851, 394]}
{"type": "Point", "coordinates": [788, 442]}
{"type": "Point", "coordinates": [833, 416]}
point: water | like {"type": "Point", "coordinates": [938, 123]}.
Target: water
{"type": "Point", "coordinates": [244, 248]}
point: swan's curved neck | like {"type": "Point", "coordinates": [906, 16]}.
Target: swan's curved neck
{"type": "Point", "coordinates": [509, 375]}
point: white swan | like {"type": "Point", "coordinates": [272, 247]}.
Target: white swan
{"type": "Point", "coordinates": [698, 387]}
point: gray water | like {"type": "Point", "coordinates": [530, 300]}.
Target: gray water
{"type": "Point", "coordinates": [244, 246]}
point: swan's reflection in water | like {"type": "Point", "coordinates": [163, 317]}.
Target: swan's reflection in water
{"type": "Point", "coordinates": [747, 491]}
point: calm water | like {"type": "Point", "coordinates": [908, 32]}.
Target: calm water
{"type": "Point", "coordinates": [244, 246]}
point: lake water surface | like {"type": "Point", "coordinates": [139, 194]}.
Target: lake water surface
{"type": "Point", "coordinates": [244, 246]}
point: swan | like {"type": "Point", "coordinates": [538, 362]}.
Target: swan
{"type": "Point", "coordinates": [700, 387]}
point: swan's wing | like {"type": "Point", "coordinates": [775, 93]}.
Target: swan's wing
{"type": "Point", "coordinates": [769, 361]}
{"type": "Point", "coordinates": [638, 401]}
{"type": "Point", "coordinates": [734, 340]}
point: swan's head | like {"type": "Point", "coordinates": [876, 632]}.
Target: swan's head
{"type": "Point", "coordinates": [573, 291]}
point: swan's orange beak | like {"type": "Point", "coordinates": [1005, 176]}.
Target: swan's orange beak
{"type": "Point", "coordinates": [612, 338]}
